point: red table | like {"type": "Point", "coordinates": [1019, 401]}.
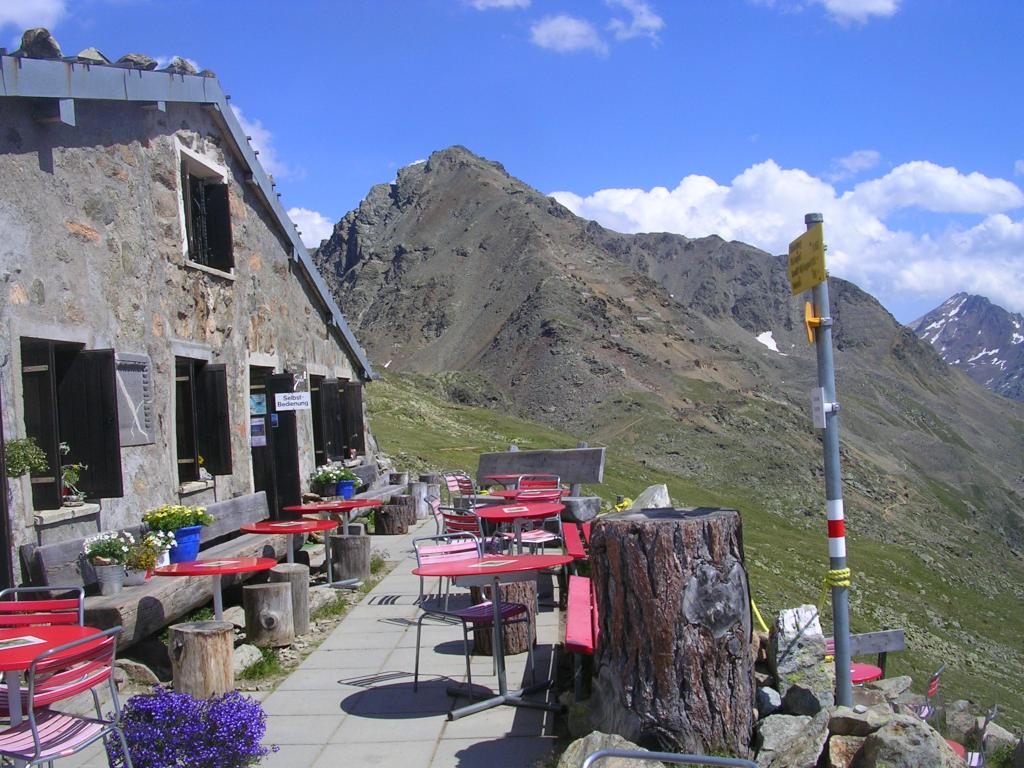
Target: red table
{"type": "Point", "coordinates": [516, 513]}
{"type": "Point", "coordinates": [14, 661]}
{"type": "Point", "coordinates": [534, 494]}
{"type": "Point", "coordinates": [864, 673]}
{"type": "Point", "coordinates": [341, 507]}
{"type": "Point", "coordinates": [291, 527]}
{"type": "Point", "coordinates": [492, 570]}
{"type": "Point", "coordinates": [216, 569]}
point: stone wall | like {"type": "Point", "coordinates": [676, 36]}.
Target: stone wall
{"type": "Point", "coordinates": [92, 250]}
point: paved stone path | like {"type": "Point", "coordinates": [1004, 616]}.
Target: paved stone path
{"type": "Point", "coordinates": [351, 701]}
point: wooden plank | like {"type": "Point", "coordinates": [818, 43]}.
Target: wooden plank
{"type": "Point", "coordinates": [63, 563]}
{"type": "Point", "coordinates": [572, 465]}
{"type": "Point", "coordinates": [232, 514]}
{"type": "Point", "coordinates": [143, 610]}
{"type": "Point", "coordinates": [877, 642]}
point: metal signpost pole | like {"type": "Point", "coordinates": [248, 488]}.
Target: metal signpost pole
{"type": "Point", "coordinates": [833, 485]}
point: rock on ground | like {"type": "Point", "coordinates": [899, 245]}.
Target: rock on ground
{"type": "Point", "coordinates": [577, 752]}
{"type": "Point", "coordinates": [907, 742]}
{"type": "Point", "coordinates": [843, 751]}
{"type": "Point", "coordinates": [137, 672]}
{"type": "Point", "coordinates": [244, 657]}
{"type": "Point", "coordinates": [791, 741]}
{"type": "Point", "coordinates": [797, 656]}
{"type": "Point", "coordinates": [851, 722]}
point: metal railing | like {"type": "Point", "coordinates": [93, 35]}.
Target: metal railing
{"type": "Point", "coordinates": [667, 757]}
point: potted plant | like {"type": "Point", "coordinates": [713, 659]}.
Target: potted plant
{"type": "Point", "coordinates": [70, 474]}
{"type": "Point", "coordinates": [160, 542]}
{"type": "Point", "coordinates": [323, 480]}
{"type": "Point", "coordinates": [140, 560]}
{"type": "Point", "coordinates": [185, 522]}
{"type": "Point", "coordinates": [22, 456]}
{"type": "Point", "coordinates": [164, 728]}
{"type": "Point", "coordinates": [347, 480]}
{"type": "Point", "coordinates": [107, 551]}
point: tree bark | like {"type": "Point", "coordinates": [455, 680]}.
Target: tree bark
{"type": "Point", "coordinates": [296, 576]}
{"type": "Point", "coordinates": [672, 667]}
{"type": "Point", "coordinates": [351, 557]}
{"type": "Point", "coordinates": [408, 505]}
{"type": "Point", "coordinates": [389, 520]}
{"type": "Point", "coordinates": [514, 636]}
{"type": "Point", "coordinates": [268, 614]}
{"type": "Point", "coordinates": [418, 491]}
{"type": "Point", "coordinates": [201, 654]}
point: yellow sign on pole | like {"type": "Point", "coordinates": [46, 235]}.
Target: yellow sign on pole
{"type": "Point", "coordinates": [807, 260]}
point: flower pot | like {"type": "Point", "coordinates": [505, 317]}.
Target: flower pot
{"type": "Point", "coordinates": [187, 548]}
{"type": "Point", "coordinates": [164, 558]}
{"type": "Point", "coordinates": [135, 577]}
{"type": "Point", "coordinates": [110, 578]}
{"type": "Point", "coordinates": [346, 488]}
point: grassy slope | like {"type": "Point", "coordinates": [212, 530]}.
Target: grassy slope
{"type": "Point", "coordinates": [976, 631]}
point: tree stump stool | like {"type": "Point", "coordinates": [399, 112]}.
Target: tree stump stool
{"type": "Point", "coordinates": [672, 667]}
{"type": "Point", "coordinates": [350, 556]}
{"type": "Point", "coordinates": [296, 576]}
{"type": "Point", "coordinates": [398, 478]}
{"type": "Point", "coordinates": [268, 614]}
{"type": "Point", "coordinates": [408, 505]}
{"type": "Point", "coordinates": [201, 654]}
{"type": "Point", "coordinates": [418, 491]}
{"type": "Point", "coordinates": [389, 520]}
{"type": "Point", "coordinates": [514, 636]}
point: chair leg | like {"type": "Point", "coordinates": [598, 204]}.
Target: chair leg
{"type": "Point", "coordinates": [124, 747]}
{"type": "Point", "coordinates": [529, 648]}
{"type": "Point", "coordinates": [465, 651]}
{"type": "Point", "coordinates": [416, 669]}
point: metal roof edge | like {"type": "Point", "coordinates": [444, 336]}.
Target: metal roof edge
{"type": "Point", "coordinates": [56, 79]}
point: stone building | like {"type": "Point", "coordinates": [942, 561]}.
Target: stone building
{"type": "Point", "coordinates": [156, 301]}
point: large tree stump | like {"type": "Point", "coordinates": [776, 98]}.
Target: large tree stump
{"type": "Point", "coordinates": [268, 614]}
{"type": "Point", "coordinates": [408, 505]}
{"type": "Point", "coordinates": [398, 478]}
{"type": "Point", "coordinates": [296, 576]}
{"type": "Point", "coordinates": [418, 491]}
{"type": "Point", "coordinates": [350, 557]}
{"type": "Point", "coordinates": [389, 520]}
{"type": "Point", "coordinates": [672, 667]}
{"type": "Point", "coordinates": [201, 654]}
{"type": "Point", "coordinates": [514, 636]}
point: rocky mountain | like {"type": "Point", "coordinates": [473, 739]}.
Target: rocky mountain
{"type": "Point", "coordinates": [980, 338]}
{"type": "Point", "coordinates": [692, 350]}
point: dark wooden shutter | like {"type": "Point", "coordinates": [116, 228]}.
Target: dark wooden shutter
{"type": "Point", "coordinates": [218, 226]}
{"type": "Point", "coordinates": [333, 424]}
{"type": "Point", "coordinates": [87, 415]}
{"type": "Point", "coordinates": [213, 421]}
{"type": "Point", "coordinates": [40, 409]}
{"type": "Point", "coordinates": [284, 442]}
{"type": "Point", "coordinates": [352, 407]}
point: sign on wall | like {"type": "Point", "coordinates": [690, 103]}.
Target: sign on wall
{"type": "Point", "coordinates": [134, 376]}
{"type": "Point", "coordinates": [292, 401]}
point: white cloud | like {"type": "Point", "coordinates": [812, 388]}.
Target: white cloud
{"type": "Point", "coordinates": [853, 163]}
{"type": "Point", "coordinates": [313, 225]}
{"type": "Point", "coordinates": [842, 11]}
{"type": "Point", "coordinates": [263, 141]}
{"type": "Point", "coordinates": [765, 204]}
{"type": "Point", "coordinates": [644, 22]}
{"type": "Point", "coordinates": [567, 34]}
{"type": "Point", "coordinates": [486, 5]}
{"type": "Point", "coordinates": [1018, 167]}
{"type": "Point", "coordinates": [26, 14]}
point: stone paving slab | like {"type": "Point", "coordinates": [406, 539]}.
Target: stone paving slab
{"type": "Point", "coordinates": [351, 701]}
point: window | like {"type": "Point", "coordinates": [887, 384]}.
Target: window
{"type": "Point", "coordinates": [207, 215]}
{"type": "Point", "coordinates": [352, 415]}
{"type": "Point", "coordinates": [328, 427]}
{"type": "Point", "coordinates": [202, 425]}
{"type": "Point", "coordinates": [70, 397]}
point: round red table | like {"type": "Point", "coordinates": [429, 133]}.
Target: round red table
{"type": "Point", "coordinates": [864, 673]}
{"type": "Point", "coordinates": [15, 660]}
{"type": "Point", "coordinates": [215, 569]}
{"type": "Point", "coordinates": [291, 527]}
{"type": "Point", "coordinates": [957, 747]}
{"type": "Point", "coordinates": [531, 494]}
{"type": "Point", "coordinates": [341, 507]}
{"type": "Point", "coordinates": [491, 570]}
{"type": "Point", "coordinates": [516, 513]}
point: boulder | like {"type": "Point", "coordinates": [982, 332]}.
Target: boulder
{"type": "Point", "coordinates": [652, 497]}
{"type": "Point", "coordinates": [236, 615]}
{"type": "Point", "coordinates": [843, 750]}
{"type": "Point", "coordinates": [92, 56]}
{"type": "Point", "coordinates": [38, 43]}
{"type": "Point", "coordinates": [321, 596]}
{"type": "Point", "coordinates": [859, 721]}
{"type": "Point", "coordinates": [797, 656]}
{"type": "Point", "coordinates": [865, 697]}
{"type": "Point", "coordinates": [577, 752]}
{"type": "Point", "coordinates": [768, 701]}
{"type": "Point", "coordinates": [580, 509]}
{"type": "Point", "coordinates": [137, 61]}
{"type": "Point", "coordinates": [961, 720]}
{"type": "Point", "coordinates": [907, 742]}
{"type": "Point", "coordinates": [891, 687]}
{"type": "Point", "coordinates": [137, 672]}
{"type": "Point", "coordinates": [791, 741]}
{"type": "Point", "coordinates": [180, 66]}
{"type": "Point", "coordinates": [997, 736]}
{"type": "Point", "coordinates": [245, 656]}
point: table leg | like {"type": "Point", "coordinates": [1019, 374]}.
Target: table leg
{"type": "Point", "coordinates": [218, 599]}
{"type": "Point", "coordinates": [13, 680]}
{"type": "Point", "coordinates": [344, 583]}
{"type": "Point", "coordinates": [290, 556]}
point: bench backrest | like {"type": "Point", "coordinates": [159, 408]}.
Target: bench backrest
{"type": "Point", "coordinates": [62, 563]}
{"type": "Point", "coordinates": [572, 465]}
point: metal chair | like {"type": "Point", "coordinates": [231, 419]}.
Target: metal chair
{"type": "Point", "coordinates": [977, 759]}
{"type": "Point", "coordinates": [57, 675]}
{"type": "Point", "coordinates": [539, 482]}
{"type": "Point", "coordinates": [666, 757]}
{"type": "Point", "coordinates": [461, 546]}
{"type": "Point", "coordinates": [458, 490]}
{"type": "Point", "coordinates": [927, 709]}
{"type": "Point", "coordinates": [43, 611]}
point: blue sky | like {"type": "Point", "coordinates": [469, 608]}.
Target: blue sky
{"type": "Point", "coordinates": [900, 120]}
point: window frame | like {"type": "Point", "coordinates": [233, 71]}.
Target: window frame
{"type": "Point", "coordinates": [191, 166]}
{"type": "Point", "coordinates": [202, 419]}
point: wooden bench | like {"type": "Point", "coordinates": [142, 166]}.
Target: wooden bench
{"type": "Point", "coordinates": [868, 643]}
{"type": "Point", "coordinates": [577, 541]}
{"type": "Point", "coordinates": [148, 608]}
{"type": "Point", "coordinates": [580, 626]}
{"type": "Point", "coordinates": [574, 466]}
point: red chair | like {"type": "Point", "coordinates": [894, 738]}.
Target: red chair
{"type": "Point", "coordinates": [538, 482]}
{"type": "Point", "coordinates": [57, 675]}
{"type": "Point", "coordinates": [927, 709]}
{"type": "Point", "coordinates": [15, 612]}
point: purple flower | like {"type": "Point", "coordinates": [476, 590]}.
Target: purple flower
{"type": "Point", "coordinates": [164, 728]}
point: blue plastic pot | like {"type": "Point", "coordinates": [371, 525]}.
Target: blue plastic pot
{"type": "Point", "coordinates": [186, 548]}
{"type": "Point", "coordinates": [346, 488]}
